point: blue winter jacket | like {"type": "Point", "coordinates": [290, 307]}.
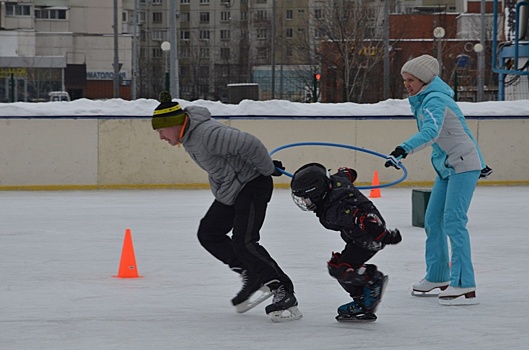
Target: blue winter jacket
{"type": "Point", "coordinates": [442, 125]}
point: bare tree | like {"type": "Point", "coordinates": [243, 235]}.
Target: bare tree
{"type": "Point", "coordinates": [348, 45]}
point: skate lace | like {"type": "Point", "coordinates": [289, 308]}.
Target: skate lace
{"type": "Point", "coordinates": [245, 279]}
{"type": "Point", "coordinates": [279, 294]}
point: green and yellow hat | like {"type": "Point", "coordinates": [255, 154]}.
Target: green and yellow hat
{"type": "Point", "coordinates": [167, 113]}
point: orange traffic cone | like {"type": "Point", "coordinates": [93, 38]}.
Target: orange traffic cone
{"type": "Point", "coordinates": [127, 266]}
{"type": "Point", "coordinates": [375, 192]}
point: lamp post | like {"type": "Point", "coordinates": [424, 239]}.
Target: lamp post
{"type": "Point", "coordinates": [478, 48]}
{"type": "Point", "coordinates": [439, 33]}
{"type": "Point", "coordinates": [166, 47]}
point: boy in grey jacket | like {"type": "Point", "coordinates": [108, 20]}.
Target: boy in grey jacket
{"type": "Point", "coordinates": [239, 170]}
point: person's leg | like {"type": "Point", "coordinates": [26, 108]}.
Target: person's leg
{"type": "Point", "coordinates": [249, 215]}
{"type": "Point", "coordinates": [213, 233]}
{"type": "Point", "coordinates": [458, 197]}
{"type": "Point", "coordinates": [436, 246]}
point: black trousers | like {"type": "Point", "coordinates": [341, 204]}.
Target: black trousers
{"type": "Point", "coordinates": [244, 220]}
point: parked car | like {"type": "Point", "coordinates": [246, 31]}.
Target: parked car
{"type": "Point", "coordinates": [59, 96]}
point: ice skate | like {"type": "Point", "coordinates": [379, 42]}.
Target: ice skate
{"type": "Point", "coordinates": [458, 296]}
{"type": "Point", "coordinates": [252, 293]}
{"type": "Point", "coordinates": [354, 312]}
{"type": "Point", "coordinates": [425, 287]}
{"type": "Point", "coordinates": [284, 305]}
{"type": "Point", "coordinates": [373, 292]}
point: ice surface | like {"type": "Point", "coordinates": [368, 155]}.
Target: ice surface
{"type": "Point", "coordinates": [58, 251]}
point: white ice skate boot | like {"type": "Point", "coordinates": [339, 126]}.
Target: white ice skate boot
{"type": "Point", "coordinates": [423, 288]}
{"type": "Point", "coordinates": [458, 296]}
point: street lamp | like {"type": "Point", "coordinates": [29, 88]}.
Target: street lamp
{"type": "Point", "coordinates": [166, 47]}
{"type": "Point", "coordinates": [439, 33]}
{"type": "Point", "coordinates": [478, 48]}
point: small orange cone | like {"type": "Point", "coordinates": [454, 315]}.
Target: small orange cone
{"type": "Point", "coordinates": [127, 266]}
{"type": "Point", "coordinates": [375, 192]}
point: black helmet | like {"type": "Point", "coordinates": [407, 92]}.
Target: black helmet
{"type": "Point", "coordinates": [309, 185]}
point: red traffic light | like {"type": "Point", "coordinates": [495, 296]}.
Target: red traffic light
{"type": "Point", "coordinates": [317, 76]}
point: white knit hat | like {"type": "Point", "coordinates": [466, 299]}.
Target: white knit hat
{"type": "Point", "coordinates": [424, 67]}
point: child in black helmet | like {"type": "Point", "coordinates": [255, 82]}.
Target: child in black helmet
{"type": "Point", "coordinates": [340, 206]}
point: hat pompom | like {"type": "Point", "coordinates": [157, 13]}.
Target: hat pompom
{"type": "Point", "coordinates": [165, 96]}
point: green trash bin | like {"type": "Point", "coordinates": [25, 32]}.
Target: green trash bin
{"type": "Point", "coordinates": [419, 202]}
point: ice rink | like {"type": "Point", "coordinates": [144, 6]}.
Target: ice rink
{"type": "Point", "coordinates": [59, 251]}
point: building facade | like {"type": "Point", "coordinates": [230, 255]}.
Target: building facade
{"type": "Point", "coordinates": [73, 45]}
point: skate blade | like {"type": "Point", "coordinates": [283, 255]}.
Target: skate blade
{"type": "Point", "coordinates": [255, 299]}
{"type": "Point", "coordinates": [459, 301]}
{"type": "Point", "coordinates": [428, 293]}
{"type": "Point", "coordinates": [420, 294]}
{"type": "Point", "coordinates": [356, 318]}
{"type": "Point", "coordinates": [289, 314]}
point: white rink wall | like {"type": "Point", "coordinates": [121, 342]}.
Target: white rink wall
{"type": "Point", "coordinates": [110, 144]}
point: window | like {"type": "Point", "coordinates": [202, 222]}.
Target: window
{"type": "Point", "coordinates": [204, 17]}
{"type": "Point", "coordinates": [157, 52]}
{"type": "Point", "coordinates": [55, 13]}
{"type": "Point", "coordinates": [184, 72]}
{"type": "Point", "coordinates": [184, 17]}
{"type": "Point", "coordinates": [156, 17]}
{"type": "Point", "coordinates": [157, 35]}
{"type": "Point", "coordinates": [289, 33]}
{"type": "Point", "coordinates": [204, 35]}
{"type": "Point", "coordinates": [318, 13]}
{"type": "Point", "coordinates": [204, 2]}
{"type": "Point", "coordinates": [289, 14]}
{"type": "Point", "coordinates": [184, 52]}
{"type": "Point", "coordinates": [184, 1]}
{"type": "Point", "coordinates": [262, 14]}
{"type": "Point", "coordinates": [184, 35]}
{"type": "Point", "coordinates": [261, 33]}
{"type": "Point", "coordinates": [157, 2]}
{"type": "Point", "coordinates": [225, 16]}
{"type": "Point", "coordinates": [225, 34]}
{"type": "Point", "coordinates": [204, 52]}
{"type": "Point", "coordinates": [262, 53]}
{"type": "Point", "coordinates": [204, 73]}
{"type": "Point", "coordinates": [225, 53]}
{"type": "Point", "coordinates": [289, 51]}
{"type": "Point", "coordinates": [18, 10]}
{"type": "Point", "coordinates": [244, 16]}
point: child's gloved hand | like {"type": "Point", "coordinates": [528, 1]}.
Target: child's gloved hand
{"type": "Point", "coordinates": [392, 237]}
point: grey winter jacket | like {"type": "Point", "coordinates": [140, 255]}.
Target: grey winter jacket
{"type": "Point", "coordinates": [231, 157]}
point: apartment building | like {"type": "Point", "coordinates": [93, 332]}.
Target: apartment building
{"type": "Point", "coordinates": [69, 45]}
{"type": "Point", "coordinates": [48, 45]}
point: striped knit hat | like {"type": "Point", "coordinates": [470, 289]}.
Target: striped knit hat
{"type": "Point", "coordinates": [168, 113]}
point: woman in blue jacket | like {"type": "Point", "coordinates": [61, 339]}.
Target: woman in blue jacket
{"type": "Point", "coordinates": [457, 160]}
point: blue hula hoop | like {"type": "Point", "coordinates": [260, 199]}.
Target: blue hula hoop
{"type": "Point", "coordinates": [339, 145]}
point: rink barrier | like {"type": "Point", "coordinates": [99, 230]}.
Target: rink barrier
{"type": "Point", "coordinates": [123, 152]}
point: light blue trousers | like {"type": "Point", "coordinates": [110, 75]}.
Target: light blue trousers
{"type": "Point", "coordinates": [446, 218]}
